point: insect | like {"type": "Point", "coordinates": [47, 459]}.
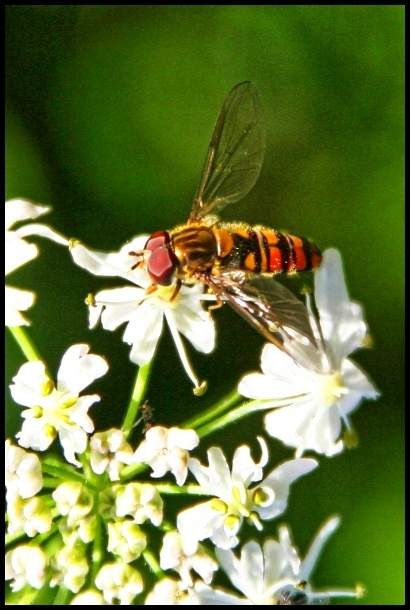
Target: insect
{"type": "Point", "coordinates": [235, 261]}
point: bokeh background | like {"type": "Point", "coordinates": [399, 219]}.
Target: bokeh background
{"type": "Point", "coordinates": [109, 113]}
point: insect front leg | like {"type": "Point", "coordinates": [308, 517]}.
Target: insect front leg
{"type": "Point", "coordinates": [217, 305]}
{"type": "Point", "coordinates": [177, 288]}
{"type": "Point", "coordinates": [140, 257]}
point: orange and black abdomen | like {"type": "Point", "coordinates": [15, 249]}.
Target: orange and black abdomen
{"type": "Point", "coordinates": [266, 251]}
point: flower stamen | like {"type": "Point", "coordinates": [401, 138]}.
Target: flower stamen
{"type": "Point", "coordinates": [199, 386]}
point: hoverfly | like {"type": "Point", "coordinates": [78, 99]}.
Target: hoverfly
{"type": "Point", "coordinates": [235, 261]}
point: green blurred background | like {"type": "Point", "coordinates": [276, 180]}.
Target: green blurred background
{"type": "Point", "coordinates": [109, 113]}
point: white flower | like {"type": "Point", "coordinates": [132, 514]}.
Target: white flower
{"type": "Point", "coordinates": [119, 581]}
{"type": "Point", "coordinates": [71, 566]}
{"type": "Point", "coordinates": [167, 450]}
{"type": "Point", "coordinates": [221, 518]}
{"type": "Point", "coordinates": [58, 410]}
{"type": "Point", "coordinates": [332, 384]}
{"type": "Point", "coordinates": [90, 597]}
{"type": "Point", "coordinates": [173, 557]}
{"type": "Point", "coordinates": [18, 252]}
{"type": "Point", "coordinates": [33, 515]}
{"type": "Point", "coordinates": [26, 565]}
{"type": "Point", "coordinates": [144, 309]}
{"type": "Point", "coordinates": [169, 592]}
{"type": "Point", "coordinates": [108, 452]}
{"type": "Point", "coordinates": [274, 574]}
{"type": "Point", "coordinates": [141, 501]}
{"type": "Point", "coordinates": [126, 539]}
{"type": "Point", "coordinates": [73, 500]}
{"type": "Point", "coordinates": [23, 472]}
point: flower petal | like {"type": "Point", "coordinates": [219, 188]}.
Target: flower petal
{"type": "Point", "coordinates": [42, 231]}
{"type": "Point", "coordinates": [185, 439]}
{"type": "Point", "coordinates": [17, 252]}
{"type": "Point", "coordinates": [143, 332]}
{"type": "Point", "coordinates": [112, 263]}
{"type": "Point", "coordinates": [306, 426]}
{"type": "Point", "coordinates": [316, 547]}
{"type": "Point", "coordinates": [73, 440]}
{"type": "Point", "coordinates": [196, 325]}
{"type": "Point", "coordinates": [119, 305]}
{"type": "Point", "coordinates": [263, 387]}
{"type": "Point", "coordinates": [17, 300]}
{"type": "Point", "coordinates": [280, 481]}
{"type": "Point", "coordinates": [18, 209]}
{"type": "Point", "coordinates": [78, 369]}
{"type": "Point", "coordinates": [197, 523]}
{"type": "Point", "coordinates": [27, 385]}
{"type": "Point", "coordinates": [341, 320]}
{"type": "Point", "coordinates": [209, 596]}
{"type": "Point", "coordinates": [359, 386]}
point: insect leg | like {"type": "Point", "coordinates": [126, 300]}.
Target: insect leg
{"type": "Point", "coordinates": [176, 290]}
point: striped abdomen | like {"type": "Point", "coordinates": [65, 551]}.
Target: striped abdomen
{"type": "Point", "coordinates": [265, 250]}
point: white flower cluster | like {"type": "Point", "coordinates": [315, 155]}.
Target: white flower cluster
{"type": "Point", "coordinates": [84, 525]}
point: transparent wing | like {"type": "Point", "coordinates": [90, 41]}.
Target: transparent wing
{"type": "Point", "coordinates": [235, 153]}
{"type": "Point", "coordinates": [269, 307]}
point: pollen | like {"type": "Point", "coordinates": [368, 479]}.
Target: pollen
{"type": "Point", "coordinates": [90, 300]}
{"type": "Point", "coordinates": [200, 389]}
{"type": "Point", "coordinates": [73, 242]}
{"type": "Point", "coordinates": [332, 389]}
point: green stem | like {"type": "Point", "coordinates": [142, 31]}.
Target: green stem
{"type": "Point", "coordinates": [170, 488]}
{"type": "Point", "coordinates": [40, 538]}
{"type": "Point", "coordinates": [24, 342]}
{"type": "Point", "coordinates": [60, 470]}
{"type": "Point", "coordinates": [62, 596]}
{"type": "Point", "coordinates": [97, 555]}
{"type": "Point", "coordinates": [225, 403]}
{"type": "Point", "coordinates": [12, 538]}
{"type": "Point", "coordinates": [24, 597]}
{"type": "Point", "coordinates": [153, 563]}
{"type": "Point", "coordinates": [129, 472]}
{"type": "Point", "coordinates": [138, 394]}
{"type": "Point", "coordinates": [246, 409]}
{"type": "Point", "coordinates": [50, 482]}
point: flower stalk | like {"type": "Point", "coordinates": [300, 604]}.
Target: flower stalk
{"type": "Point", "coordinates": [137, 397]}
{"type": "Point", "coordinates": [244, 410]}
{"type": "Point", "coordinates": [24, 342]}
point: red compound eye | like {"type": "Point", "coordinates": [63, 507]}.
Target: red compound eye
{"type": "Point", "coordinates": [162, 261]}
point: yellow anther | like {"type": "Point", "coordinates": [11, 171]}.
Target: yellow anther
{"type": "Point", "coordinates": [37, 411]}
{"type": "Point", "coordinates": [232, 522]}
{"type": "Point", "coordinates": [350, 438]}
{"type": "Point", "coordinates": [260, 497]}
{"type": "Point", "coordinates": [219, 505]}
{"type": "Point", "coordinates": [200, 389]}
{"type": "Point", "coordinates": [367, 341]}
{"type": "Point", "coordinates": [73, 242]}
{"type": "Point", "coordinates": [361, 590]}
{"type": "Point", "coordinates": [49, 431]}
{"type": "Point", "coordinates": [254, 519]}
{"type": "Point", "coordinates": [90, 300]}
{"type": "Point", "coordinates": [47, 387]}
{"type": "Point", "coordinates": [66, 404]}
